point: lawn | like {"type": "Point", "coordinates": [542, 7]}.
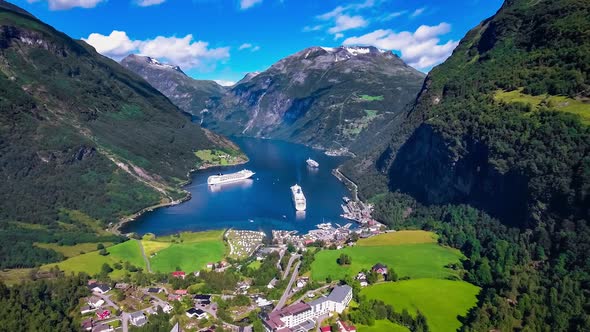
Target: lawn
{"type": "Point", "coordinates": [187, 256]}
{"type": "Point", "coordinates": [255, 265]}
{"type": "Point", "coordinates": [441, 301]}
{"type": "Point", "coordinates": [15, 276]}
{"type": "Point", "coordinates": [560, 103]}
{"type": "Point", "coordinates": [71, 251]}
{"type": "Point", "coordinates": [187, 251]}
{"type": "Point", "coordinates": [92, 262]}
{"type": "Point", "coordinates": [400, 237]}
{"type": "Point", "coordinates": [151, 247]}
{"type": "Point", "coordinates": [413, 254]}
{"type": "Point", "coordinates": [382, 326]}
{"type": "Point", "coordinates": [371, 98]}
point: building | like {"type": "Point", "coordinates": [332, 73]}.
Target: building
{"type": "Point", "coordinates": [95, 302]}
{"type": "Point", "coordinates": [198, 313]}
{"type": "Point", "coordinates": [337, 301]}
{"type": "Point", "coordinates": [202, 299]}
{"type": "Point", "coordinates": [86, 309]}
{"type": "Point", "coordinates": [299, 316]}
{"type": "Point", "coordinates": [345, 327]}
{"type": "Point", "coordinates": [99, 288]}
{"type": "Point", "coordinates": [181, 292]}
{"type": "Point", "coordinates": [289, 317]}
{"type": "Point", "coordinates": [176, 328]}
{"type": "Point", "coordinates": [87, 325]}
{"type": "Point", "coordinates": [379, 268]}
{"type": "Point", "coordinates": [155, 290]}
{"type": "Point", "coordinates": [103, 314]}
{"type": "Point", "coordinates": [179, 274]}
{"type": "Point", "coordinates": [138, 318]}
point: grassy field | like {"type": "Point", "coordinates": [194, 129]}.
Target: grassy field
{"type": "Point", "coordinates": [441, 301]}
{"type": "Point", "coordinates": [71, 251]}
{"type": "Point", "coordinates": [382, 326]}
{"type": "Point", "coordinates": [400, 237]}
{"type": "Point", "coordinates": [15, 276]}
{"type": "Point", "coordinates": [421, 257]}
{"type": "Point", "coordinates": [371, 98]}
{"type": "Point", "coordinates": [187, 251]}
{"type": "Point", "coordinates": [92, 262]}
{"type": "Point", "coordinates": [560, 103]}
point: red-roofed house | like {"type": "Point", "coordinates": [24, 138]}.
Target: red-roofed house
{"type": "Point", "coordinates": [181, 292]}
{"type": "Point", "coordinates": [173, 297]}
{"type": "Point", "coordinates": [325, 329]}
{"type": "Point", "coordinates": [345, 327]}
{"type": "Point", "coordinates": [179, 274]}
{"type": "Point", "coordinates": [103, 314]}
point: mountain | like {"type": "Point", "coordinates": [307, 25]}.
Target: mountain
{"type": "Point", "coordinates": [323, 97]}
{"type": "Point", "coordinates": [83, 141]}
{"type": "Point", "coordinates": [502, 126]}
{"type": "Point", "coordinates": [192, 96]}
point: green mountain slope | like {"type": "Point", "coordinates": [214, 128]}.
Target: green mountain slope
{"type": "Point", "coordinates": [502, 126]}
{"type": "Point", "coordinates": [192, 96]}
{"type": "Point", "coordinates": [83, 141]}
{"type": "Point", "coordinates": [329, 98]}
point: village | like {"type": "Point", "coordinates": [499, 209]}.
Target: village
{"type": "Point", "coordinates": [122, 305]}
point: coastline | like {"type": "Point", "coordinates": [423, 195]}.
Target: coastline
{"type": "Point", "coordinates": [116, 228]}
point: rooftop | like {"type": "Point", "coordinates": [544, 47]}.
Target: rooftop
{"type": "Point", "coordinates": [339, 293]}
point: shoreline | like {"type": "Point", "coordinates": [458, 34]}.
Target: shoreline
{"type": "Point", "coordinates": [116, 228]}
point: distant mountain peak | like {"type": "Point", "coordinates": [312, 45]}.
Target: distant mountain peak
{"type": "Point", "coordinates": [152, 61]}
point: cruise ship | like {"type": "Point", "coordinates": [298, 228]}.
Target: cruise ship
{"type": "Point", "coordinates": [312, 163]}
{"type": "Point", "coordinates": [298, 198]}
{"type": "Point", "coordinates": [230, 178]}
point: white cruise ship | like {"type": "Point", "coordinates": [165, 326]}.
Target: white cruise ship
{"type": "Point", "coordinates": [298, 198]}
{"type": "Point", "coordinates": [230, 178]}
{"type": "Point", "coordinates": [312, 163]}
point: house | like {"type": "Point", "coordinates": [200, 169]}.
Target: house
{"type": "Point", "coordinates": [200, 298]}
{"type": "Point", "coordinates": [262, 302]}
{"type": "Point", "coordinates": [174, 297]}
{"type": "Point", "coordinates": [325, 329]}
{"type": "Point", "coordinates": [137, 318]}
{"type": "Point", "coordinates": [103, 314]}
{"type": "Point", "coordinates": [194, 312]}
{"type": "Point", "coordinates": [379, 268]}
{"type": "Point", "coordinates": [86, 309]}
{"type": "Point", "coordinates": [345, 327]}
{"type": "Point", "coordinates": [210, 265]}
{"type": "Point", "coordinates": [179, 274]}
{"type": "Point", "coordinates": [181, 292]}
{"type": "Point", "coordinates": [99, 288]}
{"type": "Point", "coordinates": [87, 325]}
{"type": "Point", "coordinates": [167, 308]}
{"type": "Point", "coordinates": [361, 276]}
{"type": "Point", "coordinates": [155, 290]}
{"type": "Point", "coordinates": [103, 328]}
{"type": "Point", "coordinates": [95, 302]}
{"type": "Point", "coordinates": [364, 283]}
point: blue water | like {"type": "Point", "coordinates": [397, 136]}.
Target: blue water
{"type": "Point", "coordinates": [262, 203]}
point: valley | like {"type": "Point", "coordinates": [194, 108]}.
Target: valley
{"type": "Point", "coordinates": [465, 147]}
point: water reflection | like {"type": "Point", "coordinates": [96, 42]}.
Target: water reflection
{"type": "Point", "coordinates": [244, 184]}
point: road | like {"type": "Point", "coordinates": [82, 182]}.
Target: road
{"type": "Point", "coordinates": [288, 289]}
{"type": "Point", "coordinates": [147, 261]}
{"type": "Point", "coordinates": [288, 268]}
{"type": "Point", "coordinates": [107, 300]}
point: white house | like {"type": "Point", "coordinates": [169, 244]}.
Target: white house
{"type": "Point", "coordinates": [138, 318]}
{"type": "Point", "coordinates": [95, 302]}
{"type": "Point", "coordinates": [198, 313]}
{"type": "Point", "coordinates": [337, 301]}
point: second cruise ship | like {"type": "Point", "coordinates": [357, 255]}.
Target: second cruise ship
{"type": "Point", "coordinates": [298, 198]}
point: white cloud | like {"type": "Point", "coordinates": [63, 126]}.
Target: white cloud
{"type": "Point", "coordinates": [245, 4]}
{"type": "Point", "coordinates": [420, 49]}
{"type": "Point", "coordinates": [391, 16]}
{"type": "Point", "coordinates": [418, 12]}
{"type": "Point", "coordinates": [147, 3]}
{"type": "Point", "coordinates": [225, 82]}
{"type": "Point", "coordinates": [245, 46]}
{"type": "Point", "coordinates": [345, 22]}
{"type": "Point", "coordinates": [115, 45]}
{"type": "Point", "coordinates": [185, 52]}
{"type": "Point", "coordinates": [69, 4]}
{"type": "Point", "coordinates": [343, 18]}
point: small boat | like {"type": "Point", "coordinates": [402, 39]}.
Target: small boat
{"type": "Point", "coordinates": [312, 163]}
{"type": "Point", "coordinates": [251, 220]}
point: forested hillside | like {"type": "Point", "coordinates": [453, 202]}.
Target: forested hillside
{"type": "Point", "coordinates": [502, 126]}
{"type": "Point", "coordinates": [83, 141]}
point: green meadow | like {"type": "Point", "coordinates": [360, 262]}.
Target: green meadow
{"type": "Point", "coordinates": [441, 301]}
{"type": "Point", "coordinates": [411, 254]}
{"type": "Point", "coordinates": [92, 262]}
{"type": "Point", "coordinates": [382, 326]}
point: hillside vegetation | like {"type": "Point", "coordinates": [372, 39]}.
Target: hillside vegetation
{"type": "Point", "coordinates": [78, 132]}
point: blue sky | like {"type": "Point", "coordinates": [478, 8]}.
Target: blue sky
{"type": "Point", "coordinates": [225, 39]}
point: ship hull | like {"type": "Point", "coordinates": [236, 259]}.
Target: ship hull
{"type": "Point", "coordinates": [229, 178]}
